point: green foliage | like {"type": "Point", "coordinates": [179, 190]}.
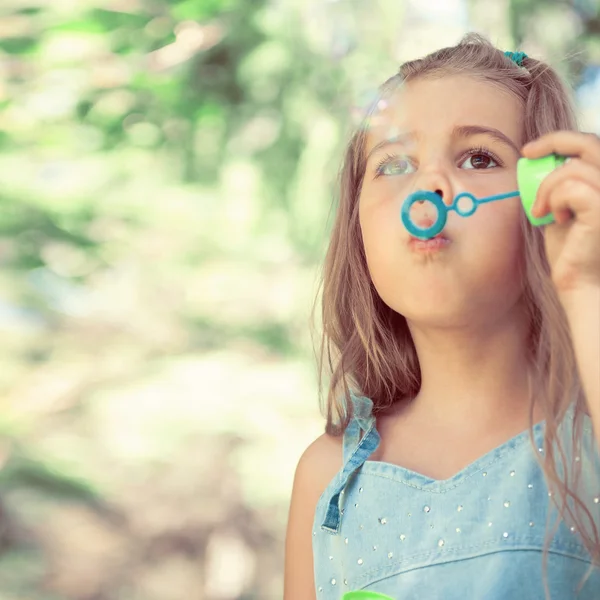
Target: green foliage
{"type": "Point", "coordinates": [24, 471]}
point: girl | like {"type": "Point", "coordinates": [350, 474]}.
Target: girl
{"type": "Point", "coordinates": [460, 458]}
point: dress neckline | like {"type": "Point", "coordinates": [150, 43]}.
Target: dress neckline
{"type": "Point", "coordinates": [485, 461]}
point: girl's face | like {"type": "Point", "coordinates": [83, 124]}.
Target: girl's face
{"type": "Point", "coordinates": [451, 134]}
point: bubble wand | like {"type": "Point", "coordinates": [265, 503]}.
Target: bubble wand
{"type": "Point", "coordinates": [530, 173]}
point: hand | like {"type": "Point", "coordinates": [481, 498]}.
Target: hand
{"type": "Point", "coordinates": [572, 194]}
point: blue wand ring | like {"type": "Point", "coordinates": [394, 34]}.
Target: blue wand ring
{"type": "Point", "coordinates": [426, 233]}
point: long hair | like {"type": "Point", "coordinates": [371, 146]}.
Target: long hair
{"type": "Point", "coordinates": [366, 347]}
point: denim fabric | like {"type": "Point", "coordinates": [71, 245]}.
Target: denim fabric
{"type": "Point", "coordinates": [477, 535]}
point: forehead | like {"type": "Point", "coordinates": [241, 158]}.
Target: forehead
{"type": "Point", "coordinates": [434, 107]}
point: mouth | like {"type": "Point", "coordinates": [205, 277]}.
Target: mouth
{"type": "Point", "coordinates": [435, 244]}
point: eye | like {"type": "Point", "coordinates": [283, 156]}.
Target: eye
{"type": "Point", "coordinates": [394, 165]}
{"type": "Point", "coordinates": [480, 159]}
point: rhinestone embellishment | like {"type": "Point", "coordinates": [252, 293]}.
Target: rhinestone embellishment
{"type": "Point", "coordinates": [426, 509]}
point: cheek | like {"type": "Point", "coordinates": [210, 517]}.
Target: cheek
{"type": "Point", "coordinates": [380, 203]}
{"type": "Point", "coordinates": [379, 257]}
{"type": "Point", "coordinates": [380, 226]}
{"type": "Point", "coordinates": [500, 223]}
{"type": "Point", "coordinates": [495, 240]}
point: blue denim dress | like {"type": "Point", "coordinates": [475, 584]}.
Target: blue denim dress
{"type": "Point", "coordinates": [478, 535]}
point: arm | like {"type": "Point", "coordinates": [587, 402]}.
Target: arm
{"type": "Point", "coordinates": [316, 468]}
{"type": "Point", "coordinates": [572, 194]}
{"type": "Point", "coordinates": [583, 315]}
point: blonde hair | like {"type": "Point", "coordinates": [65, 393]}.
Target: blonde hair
{"type": "Point", "coordinates": [366, 346]}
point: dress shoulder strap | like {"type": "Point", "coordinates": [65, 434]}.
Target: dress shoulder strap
{"type": "Point", "coordinates": [361, 439]}
{"type": "Point", "coordinates": [362, 420]}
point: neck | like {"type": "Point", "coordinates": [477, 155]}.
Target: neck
{"type": "Point", "coordinates": [474, 376]}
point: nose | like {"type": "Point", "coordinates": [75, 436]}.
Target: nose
{"type": "Point", "coordinates": [423, 213]}
{"type": "Point", "coordinates": [436, 181]}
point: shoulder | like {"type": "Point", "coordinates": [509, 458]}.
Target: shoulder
{"type": "Point", "coordinates": [317, 466]}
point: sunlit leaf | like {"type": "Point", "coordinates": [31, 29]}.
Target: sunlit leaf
{"type": "Point", "coordinates": [80, 26]}
{"type": "Point", "coordinates": [197, 11]}
{"type": "Point", "coordinates": [19, 45]}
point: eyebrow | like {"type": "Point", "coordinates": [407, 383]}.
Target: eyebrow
{"type": "Point", "coordinates": [397, 139]}
{"type": "Point", "coordinates": [461, 131]}
{"type": "Point", "coordinates": [470, 130]}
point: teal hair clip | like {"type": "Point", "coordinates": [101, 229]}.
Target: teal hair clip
{"type": "Point", "coordinates": [530, 173]}
{"type": "Point", "coordinates": [516, 57]}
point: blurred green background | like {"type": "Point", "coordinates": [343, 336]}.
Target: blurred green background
{"type": "Point", "coordinates": [167, 171]}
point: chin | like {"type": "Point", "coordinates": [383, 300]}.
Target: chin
{"type": "Point", "coordinates": [460, 313]}
{"type": "Point", "coordinates": [442, 318]}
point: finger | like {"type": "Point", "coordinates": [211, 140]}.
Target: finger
{"type": "Point", "coordinates": [574, 197]}
{"type": "Point", "coordinates": [575, 169]}
{"type": "Point", "coordinates": [566, 143]}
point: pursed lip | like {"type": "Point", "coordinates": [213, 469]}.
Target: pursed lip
{"type": "Point", "coordinates": [438, 236]}
{"type": "Point", "coordinates": [435, 244]}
